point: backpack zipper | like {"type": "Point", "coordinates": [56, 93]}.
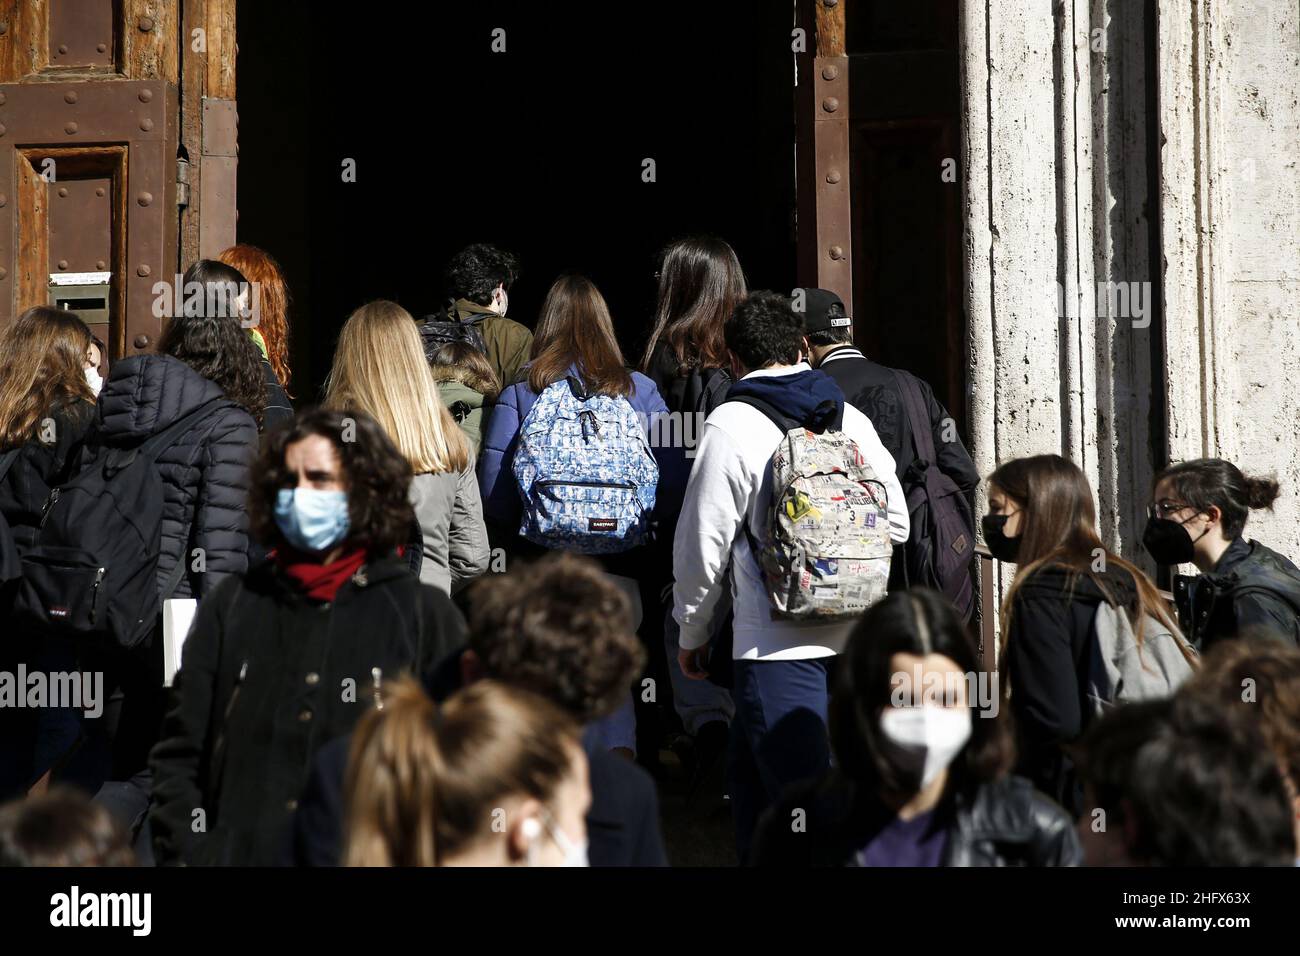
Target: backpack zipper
{"type": "Point", "coordinates": [94, 593]}
{"type": "Point", "coordinates": [586, 484]}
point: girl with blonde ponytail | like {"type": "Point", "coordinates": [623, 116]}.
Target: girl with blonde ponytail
{"type": "Point", "coordinates": [496, 777]}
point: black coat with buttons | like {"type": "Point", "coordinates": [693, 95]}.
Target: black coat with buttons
{"type": "Point", "coordinates": [268, 676]}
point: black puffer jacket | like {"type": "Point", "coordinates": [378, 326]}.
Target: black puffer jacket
{"type": "Point", "coordinates": [41, 466]}
{"type": "Point", "coordinates": [1048, 652]}
{"type": "Point", "coordinates": [205, 473]}
{"type": "Point", "coordinates": [1252, 592]}
{"type": "Point", "coordinates": [268, 677]}
{"type": "Point", "coordinates": [1002, 823]}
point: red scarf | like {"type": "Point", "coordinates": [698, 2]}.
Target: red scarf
{"type": "Point", "coordinates": [320, 582]}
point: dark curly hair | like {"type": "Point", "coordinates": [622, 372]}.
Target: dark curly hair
{"type": "Point", "coordinates": [560, 628]}
{"type": "Point", "coordinates": [210, 338]}
{"type": "Point", "coordinates": [378, 478]}
{"type": "Point", "coordinates": [1196, 781]}
{"type": "Point", "coordinates": [764, 330]}
{"type": "Point", "coordinates": [1273, 671]}
{"type": "Point", "coordinates": [475, 271]}
{"type": "Point", "coordinates": [62, 827]}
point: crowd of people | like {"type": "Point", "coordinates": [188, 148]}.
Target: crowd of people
{"type": "Point", "coordinates": [427, 607]}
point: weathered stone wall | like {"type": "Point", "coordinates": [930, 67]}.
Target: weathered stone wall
{"type": "Point", "coordinates": [1174, 258]}
{"type": "Point", "coordinates": [1230, 116]}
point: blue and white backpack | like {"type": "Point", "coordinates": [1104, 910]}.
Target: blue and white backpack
{"type": "Point", "coordinates": [585, 472]}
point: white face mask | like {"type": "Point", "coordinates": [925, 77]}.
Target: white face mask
{"type": "Point", "coordinates": [924, 740]}
{"type": "Point", "coordinates": [575, 854]}
{"type": "Point", "coordinates": [501, 301]}
{"type": "Point", "coordinates": [94, 380]}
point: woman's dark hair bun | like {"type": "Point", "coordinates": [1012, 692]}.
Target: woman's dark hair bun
{"type": "Point", "coordinates": [1261, 492]}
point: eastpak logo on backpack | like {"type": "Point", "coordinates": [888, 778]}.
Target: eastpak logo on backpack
{"type": "Point", "coordinates": [584, 471]}
{"type": "Point", "coordinates": [92, 574]}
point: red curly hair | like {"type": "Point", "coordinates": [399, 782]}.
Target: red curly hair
{"type": "Point", "coordinates": [273, 303]}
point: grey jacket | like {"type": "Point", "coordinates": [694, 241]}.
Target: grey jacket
{"type": "Point", "coordinates": [450, 514]}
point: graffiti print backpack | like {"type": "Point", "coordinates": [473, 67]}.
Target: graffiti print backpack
{"type": "Point", "coordinates": [826, 550]}
{"type": "Point", "coordinates": [584, 471]}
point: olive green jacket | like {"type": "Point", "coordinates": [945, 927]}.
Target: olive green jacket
{"type": "Point", "coordinates": [508, 343]}
{"type": "Point", "coordinates": [454, 394]}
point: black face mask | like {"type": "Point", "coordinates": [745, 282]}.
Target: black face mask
{"type": "Point", "coordinates": [1000, 546]}
{"type": "Point", "coordinates": [1168, 542]}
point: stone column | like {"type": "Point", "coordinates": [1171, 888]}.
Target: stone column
{"type": "Point", "coordinates": [1229, 113]}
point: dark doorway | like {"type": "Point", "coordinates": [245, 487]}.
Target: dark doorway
{"type": "Point", "coordinates": [539, 149]}
{"type": "Point", "coordinates": [906, 131]}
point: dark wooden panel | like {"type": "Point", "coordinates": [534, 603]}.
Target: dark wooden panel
{"type": "Point", "coordinates": [80, 224]}
{"type": "Point", "coordinates": [81, 33]}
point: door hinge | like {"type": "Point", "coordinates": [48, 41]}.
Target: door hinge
{"type": "Point", "coordinates": [182, 182]}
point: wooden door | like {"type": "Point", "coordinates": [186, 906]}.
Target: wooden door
{"type": "Point", "coordinates": [117, 153]}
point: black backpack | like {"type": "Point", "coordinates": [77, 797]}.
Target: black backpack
{"type": "Point", "coordinates": [447, 329]}
{"type": "Point", "coordinates": [92, 574]}
{"type": "Point", "coordinates": [9, 566]}
{"type": "Point", "coordinates": [941, 543]}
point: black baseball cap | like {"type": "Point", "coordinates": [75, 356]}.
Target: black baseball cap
{"type": "Point", "coordinates": [823, 311]}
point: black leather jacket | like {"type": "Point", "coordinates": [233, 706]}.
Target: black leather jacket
{"type": "Point", "coordinates": [1003, 823]}
{"type": "Point", "coordinates": [1252, 591]}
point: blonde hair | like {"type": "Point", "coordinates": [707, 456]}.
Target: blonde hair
{"type": "Point", "coordinates": [380, 368]}
{"type": "Point", "coordinates": [421, 783]}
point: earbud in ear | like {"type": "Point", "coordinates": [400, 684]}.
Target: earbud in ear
{"type": "Point", "coordinates": [532, 829]}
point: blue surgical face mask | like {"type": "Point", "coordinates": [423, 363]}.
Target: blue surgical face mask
{"type": "Point", "coordinates": [312, 520]}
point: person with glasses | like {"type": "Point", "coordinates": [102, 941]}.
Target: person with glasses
{"type": "Point", "coordinates": [1243, 589]}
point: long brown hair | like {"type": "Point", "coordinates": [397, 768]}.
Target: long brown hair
{"type": "Point", "coordinates": [42, 367]}
{"type": "Point", "coordinates": [273, 303]}
{"type": "Point", "coordinates": [421, 784]}
{"type": "Point", "coordinates": [1058, 526]}
{"type": "Point", "coordinates": [700, 285]}
{"type": "Point", "coordinates": [575, 328]}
